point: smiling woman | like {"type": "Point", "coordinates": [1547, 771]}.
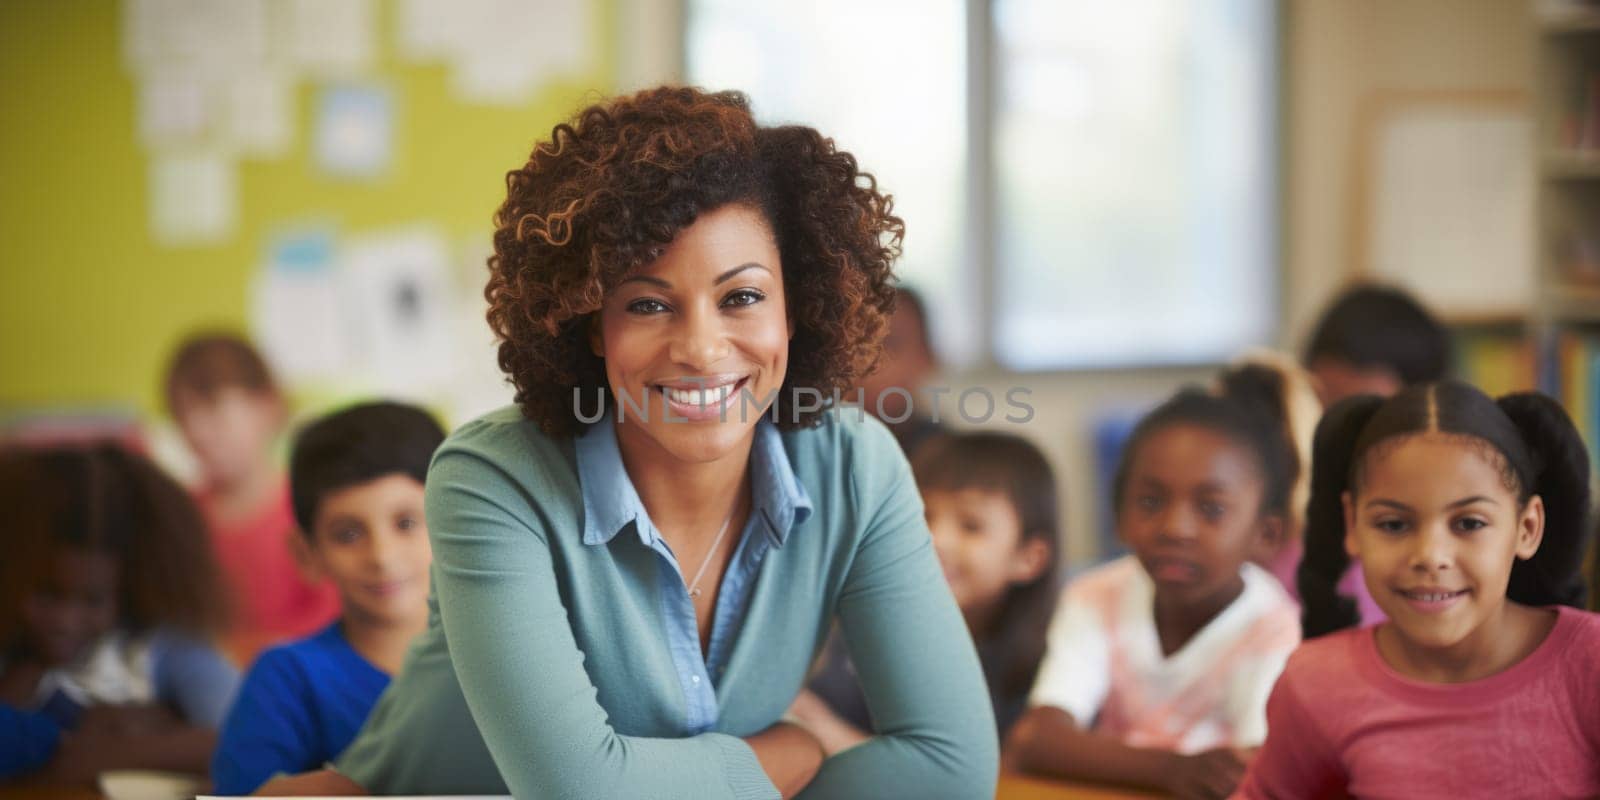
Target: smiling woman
{"type": "Point", "coordinates": [632, 593]}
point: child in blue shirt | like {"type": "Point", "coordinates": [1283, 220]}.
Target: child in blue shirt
{"type": "Point", "coordinates": [356, 481]}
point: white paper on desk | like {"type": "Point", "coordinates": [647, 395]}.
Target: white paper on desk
{"type": "Point", "coordinates": [398, 290]}
{"type": "Point", "coordinates": [194, 199]}
{"type": "Point", "coordinates": [214, 37]}
{"type": "Point", "coordinates": [297, 312]}
{"type": "Point", "coordinates": [257, 118]}
{"type": "Point", "coordinates": [355, 131]}
{"type": "Point", "coordinates": [325, 37]}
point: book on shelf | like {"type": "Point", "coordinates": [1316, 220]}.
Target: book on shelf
{"type": "Point", "coordinates": [1580, 123]}
{"type": "Point", "coordinates": [1497, 362]}
{"type": "Point", "coordinates": [1580, 259]}
{"type": "Point", "coordinates": [1573, 378]}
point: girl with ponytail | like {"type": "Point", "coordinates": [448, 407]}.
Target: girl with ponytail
{"type": "Point", "coordinates": [1468, 517]}
{"type": "Point", "coordinates": [1158, 664]}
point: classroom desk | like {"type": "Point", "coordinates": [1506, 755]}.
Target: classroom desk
{"type": "Point", "coordinates": [1018, 787]}
{"type": "Point", "coordinates": [1012, 787]}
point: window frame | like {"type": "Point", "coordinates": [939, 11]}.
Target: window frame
{"type": "Point", "coordinates": [979, 269]}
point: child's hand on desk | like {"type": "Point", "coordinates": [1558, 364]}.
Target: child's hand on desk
{"type": "Point", "coordinates": [1212, 774]}
{"type": "Point", "coordinates": [101, 740]}
{"type": "Point", "coordinates": [130, 720]}
{"type": "Point", "coordinates": [83, 754]}
{"type": "Point", "coordinates": [129, 737]}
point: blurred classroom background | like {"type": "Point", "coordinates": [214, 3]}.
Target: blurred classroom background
{"type": "Point", "coordinates": [1103, 200]}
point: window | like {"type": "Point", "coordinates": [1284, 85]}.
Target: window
{"type": "Point", "coordinates": [1127, 197]}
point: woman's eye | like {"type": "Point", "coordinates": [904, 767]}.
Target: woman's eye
{"type": "Point", "coordinates": [1469, 524]}
{"type": "Point", "coordinates": [1147, 502]}
{"type": "Point", "coordinates": [346, 535]}
{"type": "Point", "coordinates": [743, 297]}
{"type": "Point", "coordinates": [408, 522]}
{"type": "Point", "coordinates": [646, 306]}
{"type": "Point", "coordinates": [1211, 511]}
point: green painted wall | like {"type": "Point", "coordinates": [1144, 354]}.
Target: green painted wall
{"type": "Point", "coordinates": [90, 305]}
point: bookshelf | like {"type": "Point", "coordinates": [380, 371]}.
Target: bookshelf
{"type": "Point", "coordinates": [1566, 319]}
{"type": "Point", "coordinates": [1567, 140]}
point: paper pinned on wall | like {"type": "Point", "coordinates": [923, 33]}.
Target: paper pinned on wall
{"type": "Point", "coordinates": [431, 30]}
{"type": "Point", "coordinates": [399, 291]}
{"type": "Point", "coordinates": [258, 115]}
{"type": "Point", "coordinates": [500, 51]}
{"type": "Point", "coordinates": [325, 37]}
{"type": "Point", "coordinates": [477, 385]}
{"type": "Point", "coordinates": [193, 199]}
{"type": "Point", "coordinates": [355, 131]}
{"type": "Point", "coordinates": [560, 32]}
{"type": "Point", "coordinates": [523, 45]}
{"type": "Point", "coordinates": [297, 312]}
{"type": "Point", "coordinates": [211, 37]}
{"type": "Point", "coordinates": [175, 108]}
{"type": "Point", "coordinates": [497, 77]}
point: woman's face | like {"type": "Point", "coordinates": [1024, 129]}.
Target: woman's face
{"type": "Point", "coordinates": [696, 343]}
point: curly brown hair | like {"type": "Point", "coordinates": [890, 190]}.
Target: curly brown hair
{"type": "Point", "coordinates": [611, 189]}
{"type": "Point", "coordinates": [105, 498]}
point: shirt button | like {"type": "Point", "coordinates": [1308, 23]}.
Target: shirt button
{"type": "Point", "coordinates": [695, 679]}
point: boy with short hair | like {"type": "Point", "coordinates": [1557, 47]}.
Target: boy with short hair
{"type": "Point", "coordinates": [357, 483]}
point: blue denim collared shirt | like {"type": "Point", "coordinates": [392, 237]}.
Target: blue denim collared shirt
{"type": "Point", "coordinates": [612, 506]}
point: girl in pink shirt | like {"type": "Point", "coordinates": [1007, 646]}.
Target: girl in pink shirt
{"type": "Point", "coordinates": [231, 413]}
{"type": "Point", "coordinates": [1467, 517]}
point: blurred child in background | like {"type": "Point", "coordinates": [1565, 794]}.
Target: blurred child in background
{"type": "Point", "coordinates": [223, 399]}
{"type": "Point", "coordinates": [1376, 340]}
{"type": "Point", "coordinates": [893, 392]}
{"type": "Point", "coordinates": [357, 478]}
{"type": "Point", "coordinates": [990, 500]}
{"type": "Point", "coordinates": [1301, 412]}
{"type": "Point", "coordinates": [110, 597]}
{"type": "Point", "coordinates": [1160, 663]}
{"type": "Point", "coordinates": [1469, 517]}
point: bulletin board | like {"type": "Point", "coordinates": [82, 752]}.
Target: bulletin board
{"type": "Point", "coordinates": [98, 281]}
{"type": "Point", "coordinates": [1444, 199]}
